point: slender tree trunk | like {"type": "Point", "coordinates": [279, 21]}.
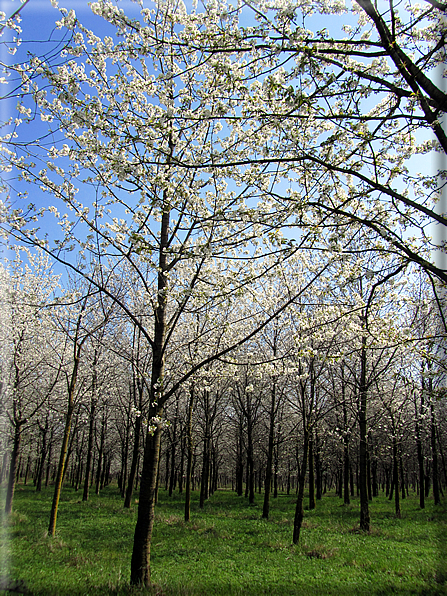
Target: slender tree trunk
{"type": "Point", "coordinates": [390, 497]}
{"type": "Point", "coordinates": [134, 464]}
{"type": "Point", "coordinates": [48, 470]}
{"type": "Point", "coordinates": [299, 510]}
{"type": "Point", "coordinates": [420, 457]}
{"type": "Point", "coordinates": [173, 454]}
{"type": "Point", "coordinates": [157, 481]}
{"type": "Point", "coordinates": [239, 465]}
{"type": "Point", "coordinates": [396, 478]}
{"type": "Point", "coordinates": [318, 469]}
{"type": "Point", "coordinates": [346, 464]}
{"type": "Point", "coordinates": [190, 443]}
{"type": "Point", "coordinates": [13, 466]}
{"type": "Point", "coordinates": [101, 458]}
{"type": "Point", "coordinates": [205, 469]}
{"type": "Point", "coordinates": [434, 452]}
{"type": "Point", "coordinates": [269, 465]}
{"type": "Point", "coordinates": [363, 475]}
{"type": "Point", "coordinates": [312, 503]}
{"type": "Point", "coordinates": [61, 468]}
{"type": "Point", "coordinates": [368, 471]}
{"type": "Point", "coordinates": [375, 485]}
{"type": "Point", "coordinates": [91, 430]}
{"type": "Point", "coordinates": [68, 418]}
{"type": "Point", "coordinates": [250, 463]}
{"type": "Point", "coordinates": [441, 451]}
{"type": "Point", "coordinates": [140, 563]}
{"type": "Point", "coordinates": [43, 457]}
{"type": "Point", "coordinates": [402, 479]}
{"type": "Point", "coordinates": [27, 469]}
{"type": "Point", "coordinates": [182, 464]}
{"type": "Point", "coordinates": [124, 457]}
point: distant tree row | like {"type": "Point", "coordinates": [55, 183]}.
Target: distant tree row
{"type": "Point", "coordinates": [280, 412]}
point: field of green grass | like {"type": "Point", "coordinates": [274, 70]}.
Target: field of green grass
{"type": "Point", "coordinates": [226, 549]}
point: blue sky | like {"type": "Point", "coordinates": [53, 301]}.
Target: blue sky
{"type": "Point", "coordinates": [38, 18]}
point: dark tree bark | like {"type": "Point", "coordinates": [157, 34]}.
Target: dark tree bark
{"type": "Point", "coordinates": [140, 563]}
{"type": "Point", "coordinates": [63, 453]}
{"type": "Point", "coordinates": [271, 442]}
{"type": "Point", "coordinates": [101, 457]}
{"type": "Point", "coordinates": [346, 462]}
{"type": "Point", "coordinates": [312, 503]}
{"type": "Point", "coordinates": [239, 463]}
{"type": "Point", "coordinates": [363, 473]}
{"type": "Point", "coordinates": [43, 454]}
{"type": "Point", "coordinates": [13, 465]}
{"type": "Point", "coordinates": [48, 469]}
{"type": "Point", "coordinates": [91, 429]}
{"type": "Point", "coordinates": [134, 463]}
{"type": "Point", "coordinates": [318, 469]}
{"type": "Point", "coordinates": [250, 465]}
{"type": "Point", "coordinates": [172, 477]}
{"type": "Point", "coordinates": [368, 471]}
{"type": "Point", "coordinates": [182, 463]}
{"type": "Point", "coordinates": [204, 481]}
{"type": "Point", "coordinates": [420, 455]}
{"type": "Point", "coordinates": [434, 452]}
{"type": "Point", "coordinates": [71, 385]}
{"type": "Point", "coordinates": [190, 444]}
{"type": "Point", "coordinates": [402, 478]}
{"type": "Point", "coordinates": [299, 509]}
{"type": "Point", "coordinates": [396, 477]}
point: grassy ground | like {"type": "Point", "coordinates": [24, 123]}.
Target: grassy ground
{"type": "Point", "coordinates": [226, 549]}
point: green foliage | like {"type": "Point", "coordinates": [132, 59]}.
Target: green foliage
{"type": "Point", "coordinates": [227, 549]}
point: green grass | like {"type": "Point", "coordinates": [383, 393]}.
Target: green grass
{"type": "Point", "coordinates": [227, 549]}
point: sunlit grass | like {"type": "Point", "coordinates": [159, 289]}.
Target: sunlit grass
{"type": "Point", "coordinates": [227, 548]}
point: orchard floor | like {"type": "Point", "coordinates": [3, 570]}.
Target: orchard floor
{"type": "Point", "coordinates": [226, 548]}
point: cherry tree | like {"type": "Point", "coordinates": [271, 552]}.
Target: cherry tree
{"type": "Point", "coordinates": [32, 368]}
{"type": "Point", "coordinates": [345, 115]}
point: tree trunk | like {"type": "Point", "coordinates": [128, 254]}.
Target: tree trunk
{"type": "Point", "coordinates": [346, 462]}
{"type": "Point", "coordinates": [182, 464]}
{"type": "Point", "coordinates": [124, 457]}
{"type": "Point", "coordinates": [140, 563]}
{"type": "Point", "coordinates": [61, 468]}
{"type": "Point", "coordinates": [363, 472]}
{"type": "Point", "coordinates": [190, 443]}
{"type": "Point", "coordinates": [269, 465]}
{"type": "Point", "coordinates": [134, 464]}
{"type": "Point", "coordinates": [368, 471]}
{"type": "Point", "coordinates": [173, 454]}
{"type": "Point", "coordinates": [63, 454]}
{"type": "Point", "coordinates": [48, 470]}
{"type": "Point", "coordinates": [205, 469]}
{"type": "Point", "coordinates": [434, 453]}
{"type": "Point", "coordinates": [13, 467]}
{"type": "Point", "coordinates": [402, 478]}
{"type": "Point", "coordinates": [43, 456]}
{"type": "Point", "coordinates": [299, 510]}
{"type": "Point", "coordinates": [239, 465]}
{"type": "Point", "coordinates": [420, 457]}
{"type": "Point", "coordinates": [396, 478]}
{"type": "Point", "coordinates": [101, 457]}
{"type": "Point", "coordinates": [312, 503]}
{"type": "Point", "coordinates": [250, 464]}
{"type": "Point", "coordinates": [91, 430]}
